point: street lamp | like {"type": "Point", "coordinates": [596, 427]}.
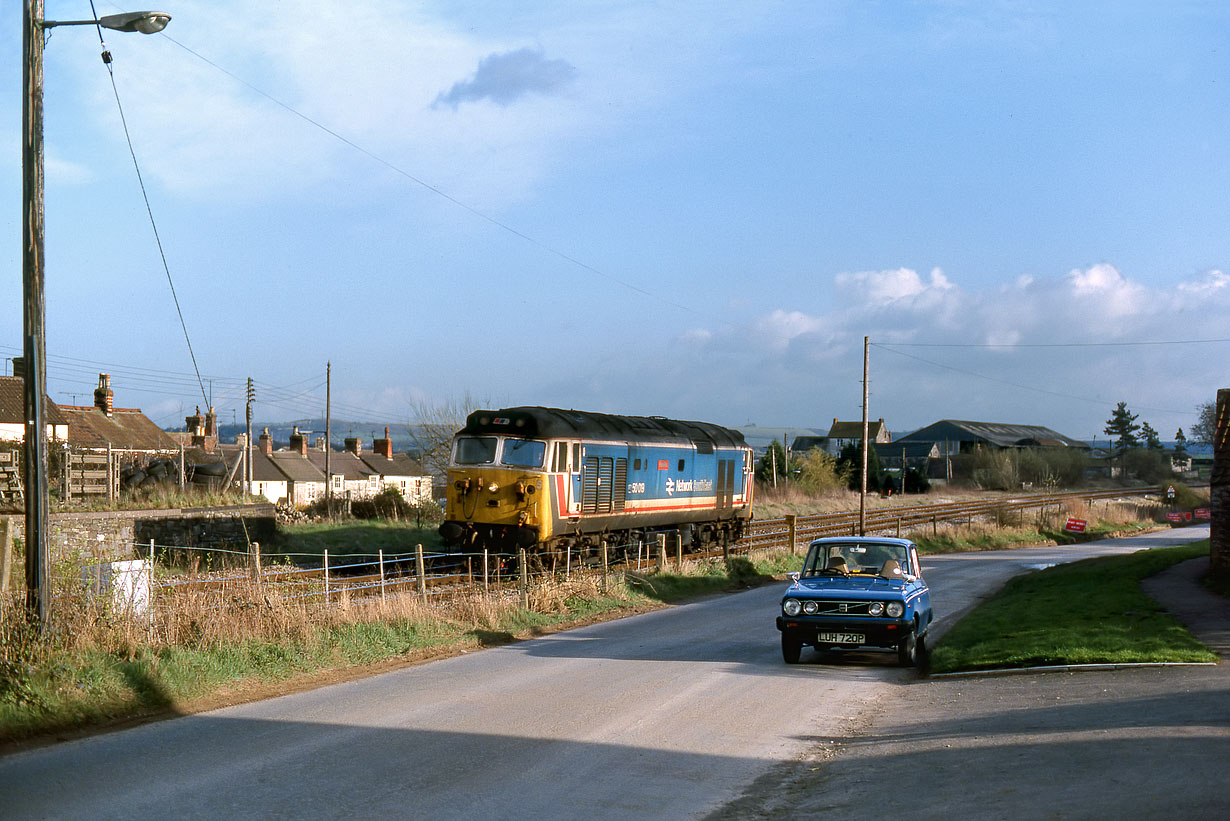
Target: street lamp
{"type": "Point", "coordinates": [34, 466]}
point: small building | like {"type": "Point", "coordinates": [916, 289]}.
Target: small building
{"type": "Point", "coordinates": [952, 437]}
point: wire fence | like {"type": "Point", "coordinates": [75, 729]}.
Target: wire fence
{"type": "Point", "coordinates": [165, 577]}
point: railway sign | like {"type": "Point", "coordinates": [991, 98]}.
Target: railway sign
{"type": "Point", "coordinates": [1075, 525]}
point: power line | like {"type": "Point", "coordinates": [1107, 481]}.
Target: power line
{"type": "Point", "coordinates": [428, 186]}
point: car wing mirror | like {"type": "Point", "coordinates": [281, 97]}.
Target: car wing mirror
{"type": "Point", "coordinates": [794, 577]}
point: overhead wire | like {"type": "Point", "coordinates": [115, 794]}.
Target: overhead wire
{"type": "Point", "coordinates": [145, 195]}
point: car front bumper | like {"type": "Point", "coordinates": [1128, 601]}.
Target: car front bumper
{"type": "Point", "coordinates": [875, 632]}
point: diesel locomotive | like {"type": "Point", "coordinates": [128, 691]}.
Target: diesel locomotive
{"type": "Point", "coordinates": [546, 480]}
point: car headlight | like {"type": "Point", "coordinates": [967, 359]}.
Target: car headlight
{"type": "Point", "coordinates": [791, 607]}
{"type": "Point", "coordinates": [810, 607]}
{"type": "Point", "coordinates": [895, 609]}
{"type": "Point", "coordinates": [876, 608]}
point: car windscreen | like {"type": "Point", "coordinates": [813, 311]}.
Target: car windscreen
{"type": "Point", "coordinates": [855, 558]}
{"type": "Point", "coordinates": [523, 453]}
{"type": "Point", "coordinates": [474, 450]}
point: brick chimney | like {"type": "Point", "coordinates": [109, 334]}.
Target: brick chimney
{"type": "Point", "coordinates": [104, 399]}
{"type": "Point", "coordinates": [298, 442]}
{"type": "Point", "coordinates": [384, 447]}
{"type": "Point", "coordinates": [266, 442]}
{"type": "Point", "coordinates": [19, 367]}
{"type": "Point", "coordinates": [354, 445]}
{"type": "Point", "coordinates": [196, 424]}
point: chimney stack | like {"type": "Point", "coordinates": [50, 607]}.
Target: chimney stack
{"type": "Point", "coordinates": [354, 445]}
{"type": "Point", "coordinates": [266, 442]}
{"type": "Point", "coordinates": [298, 442]}
{"type": "Point", "coordinates": [104, 399]}
{"type": "Point", "coordinates": [19, 367]}
{"type": "Point", "coordinates": [384, 447]}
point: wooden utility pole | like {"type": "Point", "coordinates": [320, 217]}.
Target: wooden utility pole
{"type": "Point", "coordinates": [247, 471]}
{"type": "Point", "coordinates": [328, 437]}
{"type": "Point", "coordinates": [34, 352]}
{"type": "Point", "coordinates": [862, 495]}
{"type": "Point", "coordinates": [1219, 488]}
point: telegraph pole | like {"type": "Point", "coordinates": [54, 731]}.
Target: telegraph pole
{"type": "Point", "coordinates": [328, 436]}
{"type": "Point", "coordinates": [247, 472]}
{"type": "Point", "coordinates": [34, 351]}
{"type": "Point", "coordinates": [862, 495]}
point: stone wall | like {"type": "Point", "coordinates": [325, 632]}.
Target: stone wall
{"type": "Point", "coordinates": [117, 535]}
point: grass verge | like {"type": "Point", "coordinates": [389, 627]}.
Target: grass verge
{"type": "Point", "coordinates": [1087, 612]}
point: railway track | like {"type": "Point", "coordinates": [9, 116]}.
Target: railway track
{"type": "Point", "coordinates": [465, 571]}
{"type": "Point", "coordinates": [896, 520]}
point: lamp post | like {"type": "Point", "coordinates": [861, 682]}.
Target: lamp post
{"type": "Point", "coordinates": [34, 465]}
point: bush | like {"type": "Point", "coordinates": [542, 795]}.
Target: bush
{"type": "Point", "coordinates": [820, 473]}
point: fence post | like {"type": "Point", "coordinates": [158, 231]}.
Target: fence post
{"type": "Point", "coordinates": [418, 561]}
{"type": "Point", "coordinates": [326, 576]}
{"type": "Point", "coordinates": [567, 562]}
{"type": "Point", "coordinates": [485, 579]}
{"type": "Point", "coordinates": [380, 558]}
{"type": "Point", "coordinates": [725, 549]}
{"type": "Point", "coordinates": [256, 560]}
{"type": "Point", "coordinates": [661, 551]}
{"type": "Point", "coordinates": [790, 530]}
{"type": "Point", "coordinates": [604, 565]}
{"type": "Point", "coordinates": [640, 549]}
{"type": "Point", "coordinates": [6, 553]}
{"type": "Point", "coordinates": [679, 550]}
{"type": "Point", "coordinates": [525, 581]}
{"type": "Point", "coordinates": [898, 527]}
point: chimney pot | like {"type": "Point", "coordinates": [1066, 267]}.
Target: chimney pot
{"type": "Point", "coordinates": [104, 399]}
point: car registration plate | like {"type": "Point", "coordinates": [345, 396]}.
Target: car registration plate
{"type": "Point", "coordinates": [842, 638]}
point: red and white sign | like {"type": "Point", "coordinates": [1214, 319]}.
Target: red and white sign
{"type": "Point", "coordinates": [664, 464]}
{"type": "Point", "coordinates": [1075, 525]}
{"type": "Point", "coordinates": [1203, 513]}
{"type": "Point", "coordinates": [1178, 518]}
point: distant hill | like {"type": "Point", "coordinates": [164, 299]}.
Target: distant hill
{"type": "Point", "coordinates": [340, 431]}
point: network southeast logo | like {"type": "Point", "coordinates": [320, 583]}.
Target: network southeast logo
{"type": "Point", "coordinates": [688, 486]}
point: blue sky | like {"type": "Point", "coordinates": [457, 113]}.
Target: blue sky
{"type": "Point", "coordinates": [685, 209]}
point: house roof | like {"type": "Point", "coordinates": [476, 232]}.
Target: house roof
{"type": "Point", "coordinates": [351, 467]}
{"type": "Point", "coordinates": [994, 433]}
{"type": "Point", "coordinates": [854, 430]}
{"type": "Point", "coordinates": [13, 404]}
{"type": "Point", "coordinates": [125, 428]}
{"type": "Point", "coordinates": [400, 465]}
{"type": "Point", "coordinates": [296, 467]}
{"type": "Point", "coordinates": [912, 450]}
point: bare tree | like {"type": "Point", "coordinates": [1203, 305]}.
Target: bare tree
{"type": "Point", "coordinates": [1204, 429]}
{"type": "Point", "coordinates": [434, 423]}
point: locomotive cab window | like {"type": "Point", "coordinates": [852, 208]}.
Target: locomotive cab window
{"type": "Point", "coordinates": [680, 464]}
{"type": "Point", "coordinates": [561, 458]}
{"type": "Point", "coordinates": [474, 450]}
{"type": "Point", "coordinates": [523, 453]}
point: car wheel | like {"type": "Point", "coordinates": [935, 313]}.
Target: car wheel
{"type": "Point", "coordinates": [792, 648]}
{"type": "Point", "coordinates": [907, 650]}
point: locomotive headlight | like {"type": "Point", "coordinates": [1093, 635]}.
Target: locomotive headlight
{"type": "Point", "coordinates": [791, 607]}
{"type": "Point", "coordinates": [810, 607]}
{"type": "Point", "coordinates": [493, 487]}
{"type": "Point", "coordinates": [875, 608]}
{"type": "Point", "coordinates": [894, 609]}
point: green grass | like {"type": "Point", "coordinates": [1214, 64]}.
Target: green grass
{"type": "Point", "coordinates": [1087, 612]}
{"type": "Point", "coordinates": [359, 540]}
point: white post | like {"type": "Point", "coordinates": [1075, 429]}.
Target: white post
{"type": "Point", "coordinates": [326, 576]}
{"type": "Point", "coordinates": [380, 553]}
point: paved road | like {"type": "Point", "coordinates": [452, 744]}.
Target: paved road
{"type": "Point", "coordinates": [670, 714]}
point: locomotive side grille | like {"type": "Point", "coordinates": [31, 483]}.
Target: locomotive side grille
{"type": "Point", "coordinates": [589, 485]}
{"type": "Point", "coordinates": [619, 487]}
{"type": "Point", "coordinates": [606, 471]}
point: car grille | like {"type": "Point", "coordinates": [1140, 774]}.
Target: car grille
{"type": "Point", "coordinates": [842, 608]}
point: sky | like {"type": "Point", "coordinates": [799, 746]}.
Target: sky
{"type": "Point", "coordinates": [690, 209]}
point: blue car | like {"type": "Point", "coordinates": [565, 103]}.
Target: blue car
{"type": "Point", "coordinates": [857, 592]}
